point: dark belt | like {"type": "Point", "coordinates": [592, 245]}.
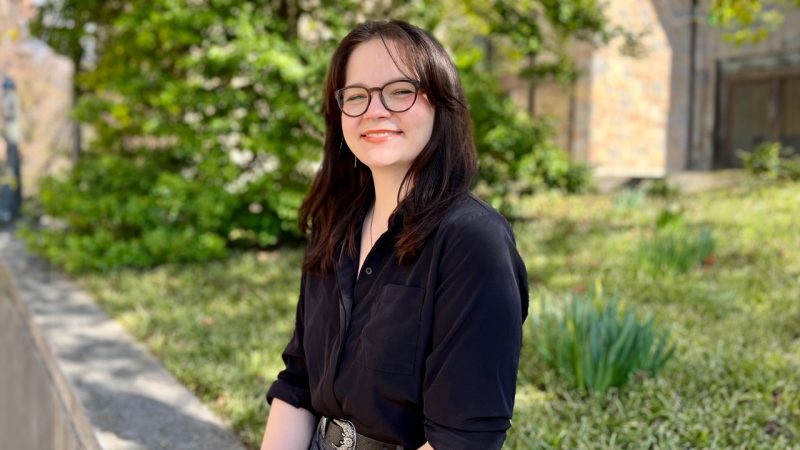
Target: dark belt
{"type": "Point", "coordinates": [342, 435]}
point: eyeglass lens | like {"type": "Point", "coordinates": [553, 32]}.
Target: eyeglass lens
{"type": "Point", "coordinates": [397, 96]}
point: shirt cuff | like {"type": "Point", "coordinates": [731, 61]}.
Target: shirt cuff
{"type": "Point", "coordinates": [293, 395]}
{"type": "Point", "coordinates": [443, 438]}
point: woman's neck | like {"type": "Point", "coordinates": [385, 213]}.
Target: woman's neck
{"type": "Point", "coordinates": [387, 185]}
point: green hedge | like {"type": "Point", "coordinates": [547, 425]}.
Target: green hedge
{"type": "Point", "coordinates": [206, 128]}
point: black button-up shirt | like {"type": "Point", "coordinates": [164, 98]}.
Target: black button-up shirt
{"type": "Point", "coordinates": [422, 351]}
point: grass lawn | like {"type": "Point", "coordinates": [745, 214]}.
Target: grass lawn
{"type": "Point", "coordinates": [734, 382]}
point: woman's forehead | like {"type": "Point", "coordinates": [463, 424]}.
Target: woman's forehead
{"type": "Point", "coordinates": [371, 64]}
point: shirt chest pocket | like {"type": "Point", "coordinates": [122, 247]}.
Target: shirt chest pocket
{"type": "Point", "coordinates": [390, 337]}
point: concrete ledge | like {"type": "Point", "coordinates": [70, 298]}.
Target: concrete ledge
{"type": "Point", "coordinates": [78, 380]}
{"type": "Point", "coordinates": [687, 182]}
{"type": "Point", "coordinates": [696, 181]}
{"type": "Point", "coordinates": [39, 408]}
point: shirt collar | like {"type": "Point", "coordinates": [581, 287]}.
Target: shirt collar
{"type": "Point", "coordinates": [395, 221]}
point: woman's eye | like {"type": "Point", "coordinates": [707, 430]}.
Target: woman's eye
{"type": "Point", "coordinates": [355, 98]}
{"type": "Point", "coordinates": [402, 92]}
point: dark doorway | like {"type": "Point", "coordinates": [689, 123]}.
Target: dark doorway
{"type": "Point", "coordinates": [758, 107]}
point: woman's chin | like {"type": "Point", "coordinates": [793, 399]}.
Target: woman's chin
{"type": "Point", "coordinates": [387, 165]}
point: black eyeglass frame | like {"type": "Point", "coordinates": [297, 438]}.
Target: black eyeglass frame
{"type": "Point", "coordinates": [340, 100]}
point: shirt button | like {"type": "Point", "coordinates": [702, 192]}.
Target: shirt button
{"type": "Point", "coordinates": [368, 271]}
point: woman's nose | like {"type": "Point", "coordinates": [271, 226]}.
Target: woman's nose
{"type": "Point", "coordinates": [376, 108]}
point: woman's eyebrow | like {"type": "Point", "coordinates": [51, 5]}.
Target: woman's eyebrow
{"type": "Point", "coordinates": [384, 84]}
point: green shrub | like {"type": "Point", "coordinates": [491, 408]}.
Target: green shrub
{"type": "Point", "coordinates": [670, 218]}
{"type": "Point", "coordinates": [587, 340]}
{"type": "Point", "coordinates": [206, 128]}
{"type": "Point", "coordinates": [661, 188]}
{"type": "Point", "coordinates": [627, 201]}
{"type": "Point", "coordinates": [771, 160]}
{"type": "Point", "coordinates": [764, 161]}
{"type": "Point", "coordinates": [517, 155]}
{"type": "Point", "coordinates": [674, 247]}
{"type": "Point", "coordinates": [115, 210]}
{"type": "Point", "coordinates": [790, 168]}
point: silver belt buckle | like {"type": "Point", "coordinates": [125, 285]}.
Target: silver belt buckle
{"type": "Point", "coordinates": [348, 441]}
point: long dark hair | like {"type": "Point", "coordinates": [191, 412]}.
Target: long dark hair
{"type": "Point", "coordinates": [443, 171]}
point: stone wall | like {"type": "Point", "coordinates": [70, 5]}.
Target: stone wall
{"type": "Point", "coordinates": [629, 116]}
{"type": "Point", "coordinates": [44, 88]}
{"type": "Point", "coordinates": [39, 410]}
{"type": "Point", "coordinates": [72, 378]}
{"type": "Point", "coordinates": [631, 98]}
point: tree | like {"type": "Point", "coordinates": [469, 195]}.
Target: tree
{"type": "Point", "coordinates": [206, 124]}
{"type": "Point", "coordinates": [70, 28]}
{"type": "Point", "coordinates": [749, 21]}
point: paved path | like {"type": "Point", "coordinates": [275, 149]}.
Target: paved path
{"type": "Point", "coordinates": [131, 400]}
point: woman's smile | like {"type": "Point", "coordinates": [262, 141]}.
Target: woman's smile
{"type": "Point", "coordinates": [378, 136]}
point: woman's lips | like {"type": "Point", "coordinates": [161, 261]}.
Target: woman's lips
{"type": "Point", "coordinates": [377, 136]}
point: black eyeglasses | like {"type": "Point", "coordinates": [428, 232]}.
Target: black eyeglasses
{"type": "Point", "coordinates": [396, 96]}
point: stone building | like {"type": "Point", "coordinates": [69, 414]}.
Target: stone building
{"type": "Point", "coordinates": [688, 103]}
{"type": "Point", "coordinates": [43, 83]}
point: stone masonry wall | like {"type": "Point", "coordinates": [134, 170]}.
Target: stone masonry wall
{"type": "Point", "coordinates": [629, 116]}
{"type": "Point", "coordinates": [44, 90]}
{"type": "Point", "coordinates": [632, 101]}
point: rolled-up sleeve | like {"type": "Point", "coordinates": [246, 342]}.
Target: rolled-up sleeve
{"type": "Point", "coordinates": [481, 301]}
{"type": "Point", "coordinates": [292, 383]}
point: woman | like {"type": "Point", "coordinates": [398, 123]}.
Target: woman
{"type": "Point", "coordinates": [409, 322]}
